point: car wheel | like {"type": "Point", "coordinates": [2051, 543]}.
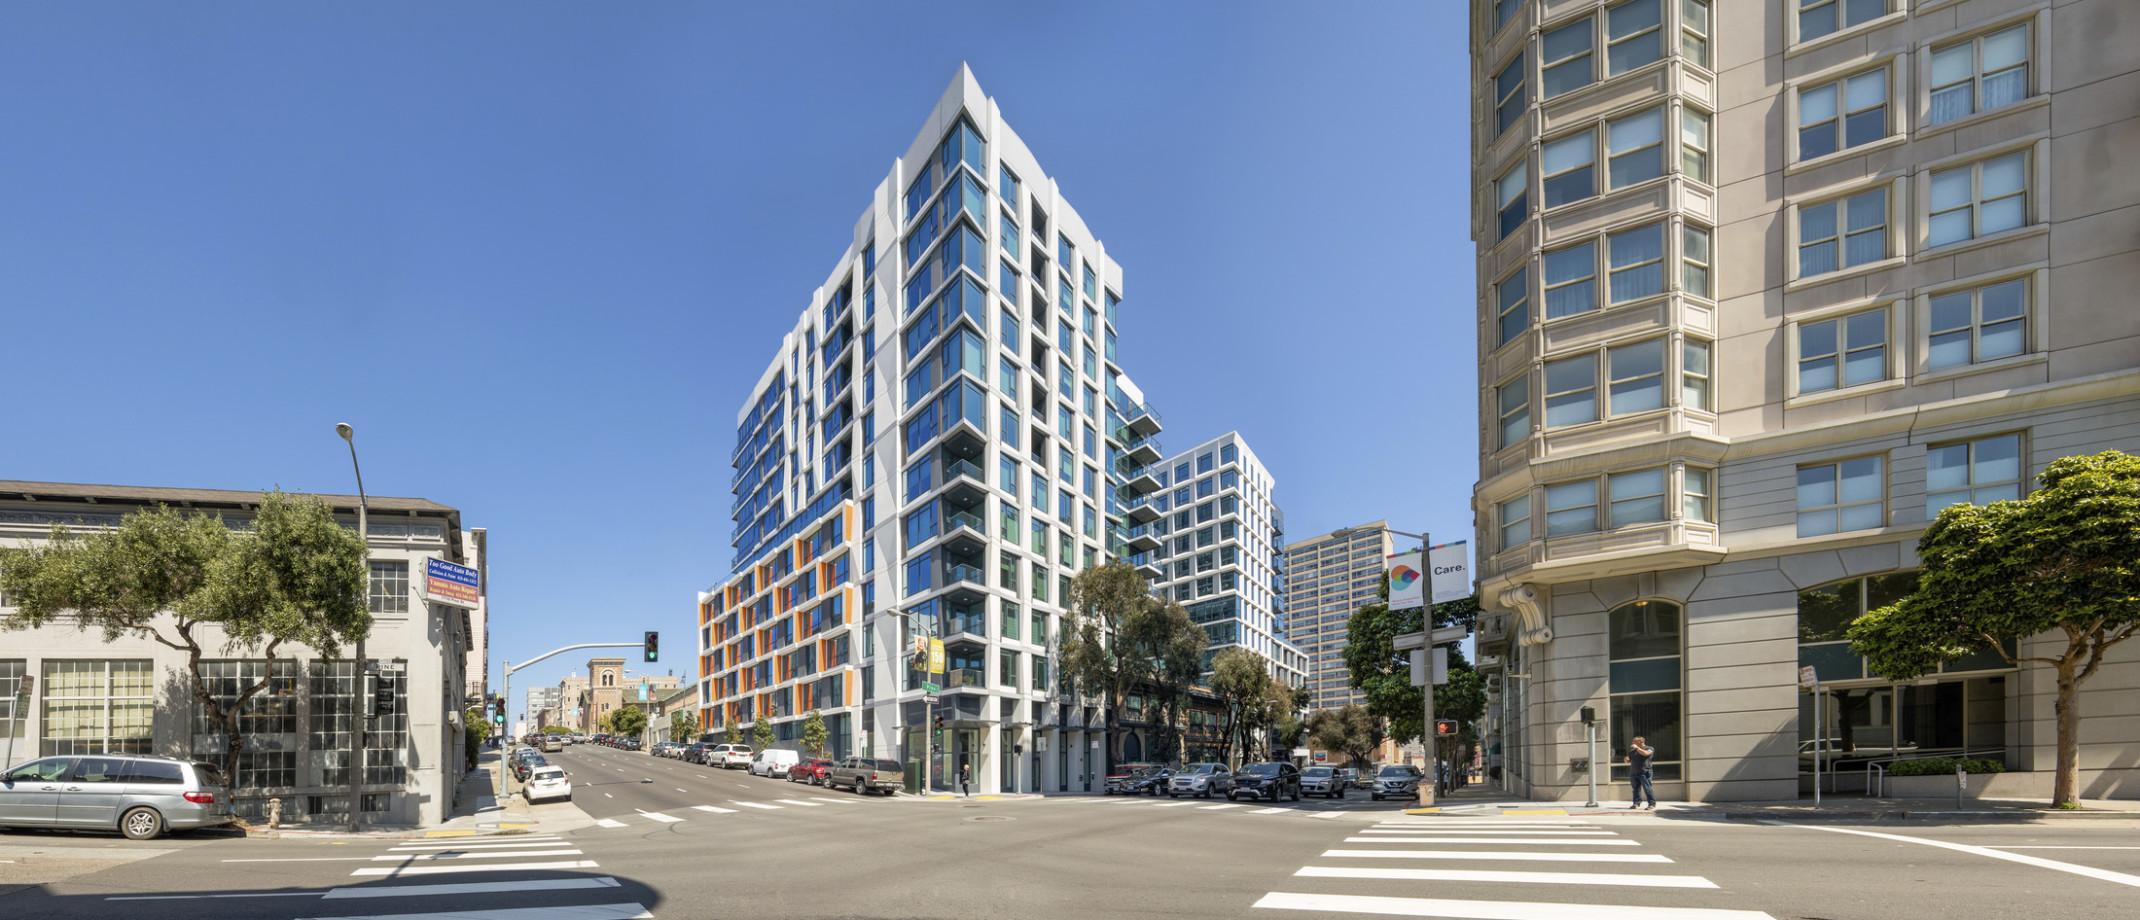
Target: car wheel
{"type": "Point", "coordinates": [141, 824]}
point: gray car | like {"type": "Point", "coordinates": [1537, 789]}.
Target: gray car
{"type": "Point", "coordinates": [138, 796]}
{"type": "Point", "coordinates": [1322, 781]}
{"type": "Point", "coordinates": [1202, 780]}
{"type": "Point", "coordinates": [1396, 781]}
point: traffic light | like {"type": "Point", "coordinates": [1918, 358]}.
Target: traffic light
{"type": "Point", "coordinates": [653, 646]}
{"type": "Point", "coordinates": [28, 686]}
{"type": "Point", "coordinates": [939, 725]}
{"type": "Point", "coordinates": [1445, 728]}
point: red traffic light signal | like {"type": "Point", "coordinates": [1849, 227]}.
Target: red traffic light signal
{"type": "Point", "coordinates": [1445, 728]}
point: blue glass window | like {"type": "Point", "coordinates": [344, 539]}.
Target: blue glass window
{"type": "Point", "coordinates": [1091, 282]}
{"type": "Point", "coordinates": [1007, 185]}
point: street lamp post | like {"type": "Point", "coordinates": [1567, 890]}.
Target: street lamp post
{"type": "Point", "coordinates": [1426, 625]}
{"type": "Point", "coordinates": [356, 679]}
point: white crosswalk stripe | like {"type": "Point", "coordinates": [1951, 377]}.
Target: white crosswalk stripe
{"type": "Point", "coordinates": [610, 822]}
{"type": "Point", "coordinates": [801, 803]}
{"type": "Point", "coordinates": [1270, 811]}
{"type": "Point", "coordinates": [1451, 845]}
{"type": "Point", "coordinates": [658, 816]}
{"type": "Point", "coordinates": [757, 805]}
{"type": "Point", "coordinates": [716, 809]}
{"type": "Point", "coordinates": [463, 854]}
{"type": "Point", "coordinates": [1216, 807]}
{"type": "Point", "coordinates": [485, 867]}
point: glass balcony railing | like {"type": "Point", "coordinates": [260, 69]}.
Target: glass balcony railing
{"type": "Point", "coordinates": [965, 677]}
{"type": "Point", "coordinates": [956, 468]}
{"type": "Point", "coordinates": [968, 520]}
{"type": "Point", "coordinates": [956, 572]}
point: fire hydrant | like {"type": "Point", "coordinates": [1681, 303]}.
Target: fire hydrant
{"type": "Point", "coordinates": [275, 812]}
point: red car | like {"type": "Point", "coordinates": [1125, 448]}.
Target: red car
{"type": "Point", "coordinates": [809, 770]}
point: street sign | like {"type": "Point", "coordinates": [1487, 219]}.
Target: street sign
{"type": "Point", "coordinates": [1807, 678]}
{"type": "Point", "coordinates": [931, 687]}
{"type": "Point", "coordinates": [1441, 666]}
{"type": "Point", "coordinates": [453, 585]}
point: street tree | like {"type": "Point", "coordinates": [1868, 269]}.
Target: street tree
{"type": "Point", "coordinates": [293, 576]}
{"type": "Point", "coordinates": [683, 726]}
{"type": "Point", "coordinates": [627, 721]}
{"type": "Point", "coordinates": [1385, 674]}
{"type": "Point", "coordinates": [814, 734]}
{"type": "Point", "coordinates": [2059, 561]}
{"type": "Point", "coordinates": [733, 734]}
{"type": "Point", "coordinates": [1242, 686]}
{"type": "Point", "coordinates": [1109, 606]}
{"type": "Point", "coordinates": [762, 734]}
{"type": "Point", "coordinates": [1350, 730]}
{"type": "Point", "coordinates": [1173, 645]}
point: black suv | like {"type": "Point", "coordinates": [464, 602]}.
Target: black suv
{"type": "Point", "coordinates": [1137, 779]}
{"type": "Point", "coordinates": [1274, 781]}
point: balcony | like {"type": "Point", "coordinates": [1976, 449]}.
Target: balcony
{"type": "Point", "coordinates": [957, 678]}
{"type": "Point", "coordinates": [964, 481]}
{"type": "Point", "coordinates": [1143, 451]}
{"type": "Point", "coordinates": [1139, 510]}
{"type": "Point", "coordinates": [1147, 568]}
{"type": "Point", "coordinates": [1141, 419]}
{"type": "Point", "coordinates": [1141, 539]}
{"type": "Point", "coordinates": [966, 623]}
{"type": "Point", "coordinates": [1277, 521]}
{"type": "Point", "coordinates": [1142, 482]}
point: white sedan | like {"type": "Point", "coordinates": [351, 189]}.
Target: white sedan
{"type": "Point", "coordinates": [549, 782]}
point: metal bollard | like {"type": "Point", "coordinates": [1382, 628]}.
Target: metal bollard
{"type": "Point", "coordinates": [275, 812]}
{"type": "Point", "coordinates": [1961, 782]}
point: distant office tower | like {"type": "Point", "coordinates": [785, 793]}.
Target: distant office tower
{"type": "Point", "coordinates": [1763, 286]}
{"type": "Point", "coordinates": [1327, 578]}
{"type": "Point", "coordinates": [934, 450]}
{"type": "Point", "coordinates": [1211, 550]}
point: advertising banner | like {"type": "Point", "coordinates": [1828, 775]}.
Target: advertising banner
{"type": "Point", "coordinates": [1450, 565]}
{"type": "Point", "coordinates": [1408, 585]}
{"type": "Point", "coordinates": [936, 656]}
{"type": "Point", "coordinates": [456, 585]}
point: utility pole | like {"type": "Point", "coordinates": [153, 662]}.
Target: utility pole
{"type": "Point", "coordinates": [357, 689]}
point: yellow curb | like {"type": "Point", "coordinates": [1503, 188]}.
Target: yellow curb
{"type": "Point", "coordinates": [989, 798]}
{"type": "Point", "coordinates": [1421, 811]}
{"type": "Point", "coordinates": [449, 833]}
{"type": "Point", "coordinates": [1535, 811]}
{"type": "Point", "coordinates": [514, 827]}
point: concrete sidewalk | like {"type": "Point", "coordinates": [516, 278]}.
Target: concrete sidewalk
{"type": "Point", "coordinates": [480, 808]}
{"type": "Point", "coordinates": [1474, 800]}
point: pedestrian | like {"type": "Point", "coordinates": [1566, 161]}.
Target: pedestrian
{"type": "Point", "coordinates": [1638, 772]}
{"type": "Point", "coordinates": [964, 778]}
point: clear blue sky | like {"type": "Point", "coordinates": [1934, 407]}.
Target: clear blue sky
{"type": "Point", "coordinates": [537, 253]}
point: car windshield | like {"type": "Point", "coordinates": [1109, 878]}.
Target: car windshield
{"type": "Point", "coordinates": [1318, 772]}
{"type": "Point", "coordinates": [1197, 769]}
{"type": "Point", "coordinates": [210, 774]}
{"type": "Point", "coordinates": [1261, 769]}
{"type": "Point", "coordinates": [550, 773]}
{"type": "Point", "coordinates": [1396, 773]}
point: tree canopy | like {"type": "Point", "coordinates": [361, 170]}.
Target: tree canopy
{"type": "Point", "coordinates": [628, 721]}
{"type": "Point", "coordinates": [683, 725]}
{"type": "Point", "coordinates": [2064, 559]}
{"type": "Point", "coordinates": [762, 734]}
{"type": "Point", "coordinates": [814, 734]}
{"type": "Point", "coordinates": [1385, 674]}
{"type": "Point", "coordinates": [294, 575]}
{"type": "Point", "coordinates": [1350, 730]}
{"type": "Point", "coordinates": [1119, 637]}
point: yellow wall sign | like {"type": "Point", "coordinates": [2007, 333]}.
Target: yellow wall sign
{"type": "Point", "coordinates": [936, 656]}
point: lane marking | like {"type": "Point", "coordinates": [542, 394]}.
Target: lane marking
{"type": "Point", "coordinates": [425, 891]}
{"type": "Point", "coordinates": [1507, 841]}
{"type": "Point", "coordinates": [308, 859]}
{"type": "Point", "coordinates": [1269, 811]}
{"type": "Point", "coordinates": [1503, 857]}
{"type": "Point", "coordinates": [1328, 814]}
{"type": "Point", "coordinates": [757, 805]}
{"type": "Point", "coordinates": [1494, 910]}
{"type": "Point", "coordinates": [2117, 878]}
{"type": "Point", "coordinates": [432, 857]}
{"type": "Point", "coordinates": [683, 790]}
{"type": "Point", "coordinates": [479, 846]}
{"type": "Point", "coordinates": [715, 809]}
{"type": "Point", "coordinates": [1411, 831]}
{"type": "Point", "coordinates": [2010, 847]}
{"type": "Point", "coordinates": [1502, 875]}
{"type": "Point", "coordinates": [658, 816]}
{"type": "Point", "coordinates": [801, 802]}
{"type": "Point", "coordinates": [1217, 807]}
{"type": "Point", "coordinates": [1172, 804]}
{"type": "Point", "coordinates": [610, 822]}
{"type": "Point", "coordinates": [486, 867]}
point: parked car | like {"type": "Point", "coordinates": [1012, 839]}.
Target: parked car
{"type": "Point", "coordinates": [1274, 780]}
{"type": "Point", "coordinates": [1137, 779]}
{"type": "Point", "coordinates": [809, 770]}
{"type": "Point", "coordinates": [139, 796]}
{"type": "Point", "coordinates": [552, 744]}
{"type": "Point", "coordinates": [631, 744]}
{"type": "Point", "coordinates": [1322, 781]}
{"type": "Point", "coordinates": [773, 762]}
{"type": "Point", "coordinates": [527, 763]}
{"type": "Point", "coordinates": [695, 752]}
{"type": "Point", "coordinates": [1395, 781]}
{"type": "Point", "coordinates": [1202, 780]}
{"type": "Point", "coordinates": [867, 774]}
{"type": "Point", "coordinates": [549, 782]}
{"type": "Point", "coordinates": [729, 756]}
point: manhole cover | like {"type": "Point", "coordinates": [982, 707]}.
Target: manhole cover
{"type": "Point", "coordinates": [991, 818]}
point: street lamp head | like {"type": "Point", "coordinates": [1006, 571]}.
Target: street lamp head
{"type": "Point", "coordinates": [347, 433]}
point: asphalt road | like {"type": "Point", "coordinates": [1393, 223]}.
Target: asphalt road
{"type": "Point", "coordinates": [730, 845]}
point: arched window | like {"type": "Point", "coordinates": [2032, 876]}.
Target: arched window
{"type": "Point", "coordinates": [1644, 650]}
{"type": "Point", "coordinates": [609, 678]}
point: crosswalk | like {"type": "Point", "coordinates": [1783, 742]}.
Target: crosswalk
{"type": "Point", "coordinates": [1374, 873]}
{"type": "Point", "coordinates": [403, 883]}
{"type": "Point", "coordinates": [641, 817]}
{"type": "Point", "coordinates": [1327, 810]}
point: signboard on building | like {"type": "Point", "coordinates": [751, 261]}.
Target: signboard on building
{"type": "Point", "coordinates": [1408, 584]}
{"type": "Point", "coordinates": [456, 585]}
{"type": "Point", "coordinates": [1449, 565]}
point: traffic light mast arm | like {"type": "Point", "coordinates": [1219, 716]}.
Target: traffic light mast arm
{"type": "Point", "coordinates": [510, 668]}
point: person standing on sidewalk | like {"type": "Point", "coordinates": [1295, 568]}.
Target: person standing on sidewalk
{"type": "Point", "coordinates": [1639, 755]}
{"type": "Point", "coordinates": [964, 779]}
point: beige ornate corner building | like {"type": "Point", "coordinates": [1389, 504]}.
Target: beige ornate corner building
{"type": "Point", "coordinates": [1763, 285]}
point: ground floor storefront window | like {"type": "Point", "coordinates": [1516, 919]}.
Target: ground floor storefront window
{"type": "Point", "coordinates": [1645, 681]}
{"type": "Point", "coordinates": [98, 706]}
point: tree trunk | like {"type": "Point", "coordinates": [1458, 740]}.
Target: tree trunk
{"type": "Point", "coordinates": [2065, 786]}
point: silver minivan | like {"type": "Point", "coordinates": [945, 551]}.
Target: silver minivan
{"type": "Point", "coordinates": [139, 796]}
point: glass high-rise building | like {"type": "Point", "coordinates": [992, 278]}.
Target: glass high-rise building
{"type": "Point", "coordinates": [1763, 286]}
{"type": "Point", "coordinates": [940, 442]}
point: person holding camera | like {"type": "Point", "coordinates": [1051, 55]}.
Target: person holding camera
{"type": "Point", "coordinates": [1639, 755]}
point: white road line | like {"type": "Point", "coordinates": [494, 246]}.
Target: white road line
{"type": "Point", "coordinates": [2006, 847]}
{"type": "Point", "coordinates": [1497, 875]}
{"type": "Point", "coordinates": [2118, 878]}
{"type": "Point", "coordinates": [1494, 910]}
{"type": "Point", "coordinates": [1328, 814]}
{"type": "Point", "coordinates": [715, 809]}
{"type": "Point", "coordinates": [742, 785]}
{"type": "Point", "coordinates": [1504, 857]}
{"type": "Point", "coordinates": [801, 802]}
{"type": "Point", "coordinates": [622, 911]}
{"type": "Point", "coordinates": [682, 789]}
{"type": "Point", "coordinates": [1512, 832]}
{"type": "Point", "coordinates": [476, 846]}
{"type": "Point", "coordinates": [1217, 807]}
{"type": "Point", "coordinates": [1172, 804]}
{"type": "Point", "coordinates": [1468, 823]}
{"type": "Point", "coordinates": [701, 776]}
{"type": "Point", "coordinates": [756, 805]}
{"type": "Point", "coordinates": [819, 798]}
{"type": "Point", "coordinates": [1269, 811]}
{"type": "Point", "coordinates": [611, 822]}
{"type": "Point", "coordinates": [425, 891]}
{"type": "Point", "coordinates": [306, 859]}
{"type": "Point", "coordinates": [608, 796]}
{"type": "Point", "coordinates": [1586, 842]}
{"type": "Point", "coordinates": [514, 854]}
{"type": "Point", "coordinates": [486, 867]}
{"type": "Point", "coordinates": [658, 816]}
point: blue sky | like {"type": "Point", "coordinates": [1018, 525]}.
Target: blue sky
{"type": "Point", "coordinates": [537, 253]}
